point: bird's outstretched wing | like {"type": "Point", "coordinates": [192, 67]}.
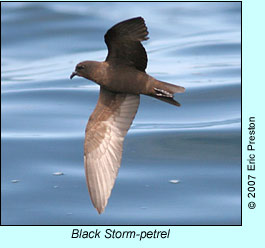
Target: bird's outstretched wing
{"type": "Point", "coordinates": [105, 132]}
{"type": "Point", "coordinates": [124, 43]}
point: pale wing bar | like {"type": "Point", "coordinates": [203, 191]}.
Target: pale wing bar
{"type": "Point", "coordinates": [105, 134]}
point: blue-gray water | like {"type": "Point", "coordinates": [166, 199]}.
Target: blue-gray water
{"type": "Point", "coordinates": [44, 114]}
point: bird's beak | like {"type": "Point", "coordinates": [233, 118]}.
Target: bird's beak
{"type": "Point", "coordinates": [73, 74]}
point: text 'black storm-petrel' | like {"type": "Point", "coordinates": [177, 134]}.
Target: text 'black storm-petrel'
{"type": "Point", "coordinates": [122, 78]}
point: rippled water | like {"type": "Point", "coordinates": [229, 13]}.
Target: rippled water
{"type": "Point", "coordinates": [44, 114]}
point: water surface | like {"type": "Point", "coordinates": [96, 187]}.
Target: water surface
{"type": "Point", "coordinates": [44, 114]}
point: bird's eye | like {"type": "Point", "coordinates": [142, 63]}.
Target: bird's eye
{"type": "Point", "coordinates": [80, 67]}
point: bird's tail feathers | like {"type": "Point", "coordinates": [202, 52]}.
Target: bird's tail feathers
{"type": "Point", "coordinates": [165, 92]}
{"type": "Point", "coordinates": [172, 88]}
{"type": "Point", "coordinates": [168, 100]}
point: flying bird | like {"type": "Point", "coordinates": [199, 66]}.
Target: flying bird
{"type": "Point", "coordinates": [122, 78]}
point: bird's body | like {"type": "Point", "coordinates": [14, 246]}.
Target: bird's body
{"type": "Point", "coordinates": [122, 78]}
{"type": "Point", "coordinates": [113, 78]}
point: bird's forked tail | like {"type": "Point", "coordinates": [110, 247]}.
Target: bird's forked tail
{"type": "Point", "coordinates": [165, 92]}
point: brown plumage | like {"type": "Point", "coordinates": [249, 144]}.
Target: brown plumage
{"type": "Point", "coordinates": [122, 78]}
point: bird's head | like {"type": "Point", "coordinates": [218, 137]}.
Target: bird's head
{"type": "Point", "coordinates": [82, 69]}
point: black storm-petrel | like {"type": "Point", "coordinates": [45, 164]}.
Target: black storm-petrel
{"type": "Point", "coordinates": [122, 78]}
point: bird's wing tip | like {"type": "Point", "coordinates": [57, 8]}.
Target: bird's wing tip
{"type": "Point", "coordinates": [100, 210]}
